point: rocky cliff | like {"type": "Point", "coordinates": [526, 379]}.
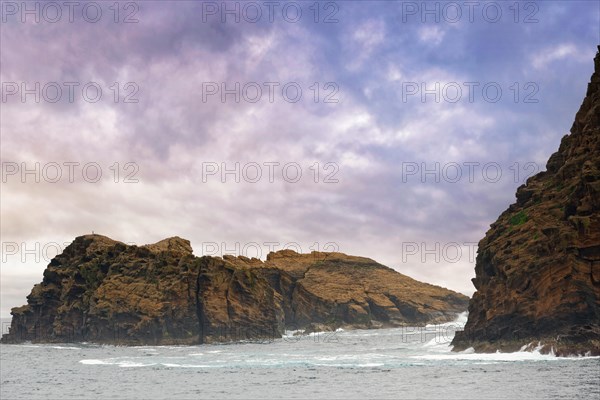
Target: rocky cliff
{"type": "Point", "coordinates": [101, 290]}
{"type": "Point", "coordinates": [332, 290]}
{"type": "Point", "coordinates": [538, 267]}
{"type": "Point", "coordinates": [104, 291]}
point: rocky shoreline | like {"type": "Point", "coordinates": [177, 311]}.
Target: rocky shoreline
{"type": "Point", "coordinates": [103, 291]}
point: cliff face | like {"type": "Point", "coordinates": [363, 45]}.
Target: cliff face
{"type": "Point", "coordinates": [103, 291]}
{"type": "Point", "coordinates": [538, 267]}
{"type": "Point", "coordinates": [336, 290]}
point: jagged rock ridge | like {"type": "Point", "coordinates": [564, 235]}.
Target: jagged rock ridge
{"type": "Point", "coordinates": [104, 291]}
{"type": "Point", "coordinates": [538, 267]}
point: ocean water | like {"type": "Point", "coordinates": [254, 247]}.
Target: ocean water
{"type": "Point", "coordinates": [400, 363]}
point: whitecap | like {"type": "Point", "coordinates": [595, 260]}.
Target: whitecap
{"type": "Point", "coordinates": [188, 365]}
{"type": "Point", "coordinates": [498, 356]}
{"type": "Point", "coordinates": [113, 361]}
{"type": "Point", "coordinates": [93, 362]}
{"type": "Point", "coordinates": [130, 364]}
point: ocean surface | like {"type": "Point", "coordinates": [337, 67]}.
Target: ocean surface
{"type": "Point", "coordinates": [399, 363]}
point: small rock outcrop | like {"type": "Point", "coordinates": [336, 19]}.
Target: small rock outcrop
{"type": "Point", "coordinates": [538, 267]}
{"type": "Point", "coordinates": [104, 291]}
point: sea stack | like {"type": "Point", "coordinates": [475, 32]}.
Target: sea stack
{"type": "Point", "coordinates": [537, 272]}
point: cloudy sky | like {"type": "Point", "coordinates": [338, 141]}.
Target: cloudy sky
{"type": "Point", "coordinates": [393, 130]}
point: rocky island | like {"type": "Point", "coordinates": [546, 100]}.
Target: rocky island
{"type": "Point", "coordinates": [538, 267]}
{"type": "Point", "coordinates": [104, 291]}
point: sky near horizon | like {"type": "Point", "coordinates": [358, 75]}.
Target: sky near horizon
{"type": "Point", "coordinates": [394, 130]}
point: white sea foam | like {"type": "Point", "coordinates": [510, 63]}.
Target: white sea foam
{"type": "Point", "coordinates": [114, 361]}
{"type": "Point", "coordinates": [131, 364]}
{"type": "Point", "coordinates": [469, 354]}
{"type": "Point", "coordinates": [94, 362]}
{"type": "Point", "coordinates": [459, 322]}
{"type": "Point", "coordinates": [147, 349]}
{"type": "Point", "coordinates": [435, 342]}
{"type": "Point", "coordinates": [171, 365]}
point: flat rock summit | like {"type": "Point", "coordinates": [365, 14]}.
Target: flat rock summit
{"type": "Point", "coordinates": [104, 291]}
{"type": "Point", "coordinates": [538, 267]}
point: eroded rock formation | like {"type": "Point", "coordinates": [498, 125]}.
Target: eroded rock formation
{"type": "Point", "coordinates": [103, 291]}
{"type": "Point", "coordinates": [538, 267]}
{"type": "Point", "coordinates": [337, 290]}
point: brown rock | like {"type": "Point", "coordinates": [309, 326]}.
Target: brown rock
{"type": "Point", "coordinates": [104, 291]}
{"type": "Point", "coordinates": [354, 292]}
{"type": "Point", "coordinates": [537, 269]}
